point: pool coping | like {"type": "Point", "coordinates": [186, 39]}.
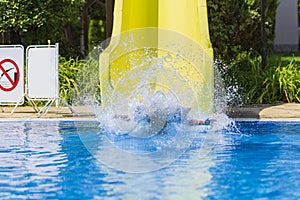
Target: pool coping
{"type": "Point", "coordinates": [266, 119]}
{"type": "Point", "coordinates": [46, 119]}
{"type": "Point", "coordinates": [94, 119]}
{"type": "Point", "coordinates": [279, 112]}
{"type": "Point", "coordinates": [266, 111]}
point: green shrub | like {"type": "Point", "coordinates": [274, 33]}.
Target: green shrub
{"type": "Point", "coordinates": [79, 79]}
{"type": "Point", "coordinates": [68, 70]}
{"type": "Point", "coordinates": [88, 82]}
{"type": "Point", "coordinates": [288, 79]}
{"type": "Point", "coordinates": [279, 82]}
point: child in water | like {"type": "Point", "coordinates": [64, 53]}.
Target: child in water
{"type": "Point", "coordinates": [158, 114]}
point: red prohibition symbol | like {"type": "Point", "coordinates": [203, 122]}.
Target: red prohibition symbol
{"type": "Point", "coordinates": [15, 82]}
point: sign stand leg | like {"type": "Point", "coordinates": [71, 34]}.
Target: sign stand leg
{"type": "Point", "coordinates": [45, 109]}
{"type": "Point", "coordinates": [69, 106]}
{"type": "Point", "coordinates": [34, 106]}
{"type": "Point", "coordinates": [19, 102]}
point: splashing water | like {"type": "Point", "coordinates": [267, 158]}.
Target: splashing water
{"type": "Point", "coordinates": [153, 101]}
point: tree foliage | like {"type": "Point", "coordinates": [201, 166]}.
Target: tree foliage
{"type": "Point", "coordinates": [96, 33]}
{"type": "Point", "coordinates": [37, 21]}
{"type": "Point", "coordinates": [235, 26]}
{"type": "Point", "coordinates": [19, 15]}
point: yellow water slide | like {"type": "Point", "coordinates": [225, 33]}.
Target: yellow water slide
{"type": "Point", "coordinates": [164, 44]}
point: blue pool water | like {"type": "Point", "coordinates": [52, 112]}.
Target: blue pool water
{"type": "Point", "coordinates": [50, 160]}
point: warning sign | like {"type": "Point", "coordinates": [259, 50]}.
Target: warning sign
{"type": "Point", "coordinates": [9, 75]}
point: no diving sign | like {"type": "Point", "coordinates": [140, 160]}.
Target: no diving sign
{"type": "Point", "coordinates": [11, 74]}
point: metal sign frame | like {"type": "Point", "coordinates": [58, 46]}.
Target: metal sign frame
{"type": "Point", "coordinates": [34, 80]}
{"type": "Point", "coordinates": [41, 66]}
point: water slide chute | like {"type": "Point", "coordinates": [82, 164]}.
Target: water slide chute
{"type": "Point", "coordinates": [158, 45]}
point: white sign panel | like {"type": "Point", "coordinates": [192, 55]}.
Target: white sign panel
{"type": "Point", "coordinates": [42, 71]}
{"type": "Point", "coordinates": [11, 74]}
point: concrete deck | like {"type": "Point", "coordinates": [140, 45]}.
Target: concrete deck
{"type": "Point", "coordinates": [250, 111]}
{"type": "Point", "coordinates": [53, 112]}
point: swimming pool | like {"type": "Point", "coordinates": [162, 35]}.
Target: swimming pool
{"type": "Point", "coordinates": [49, 159]}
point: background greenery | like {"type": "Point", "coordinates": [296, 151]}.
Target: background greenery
{"type": "Point", "coordinates": [37, 21]}
{"type": "Point", "coordinates": [235, 26]}
{"type": "Point", "coordinates": [234, 30]}
{"type": "Point", "coordinates": [279, 82]}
